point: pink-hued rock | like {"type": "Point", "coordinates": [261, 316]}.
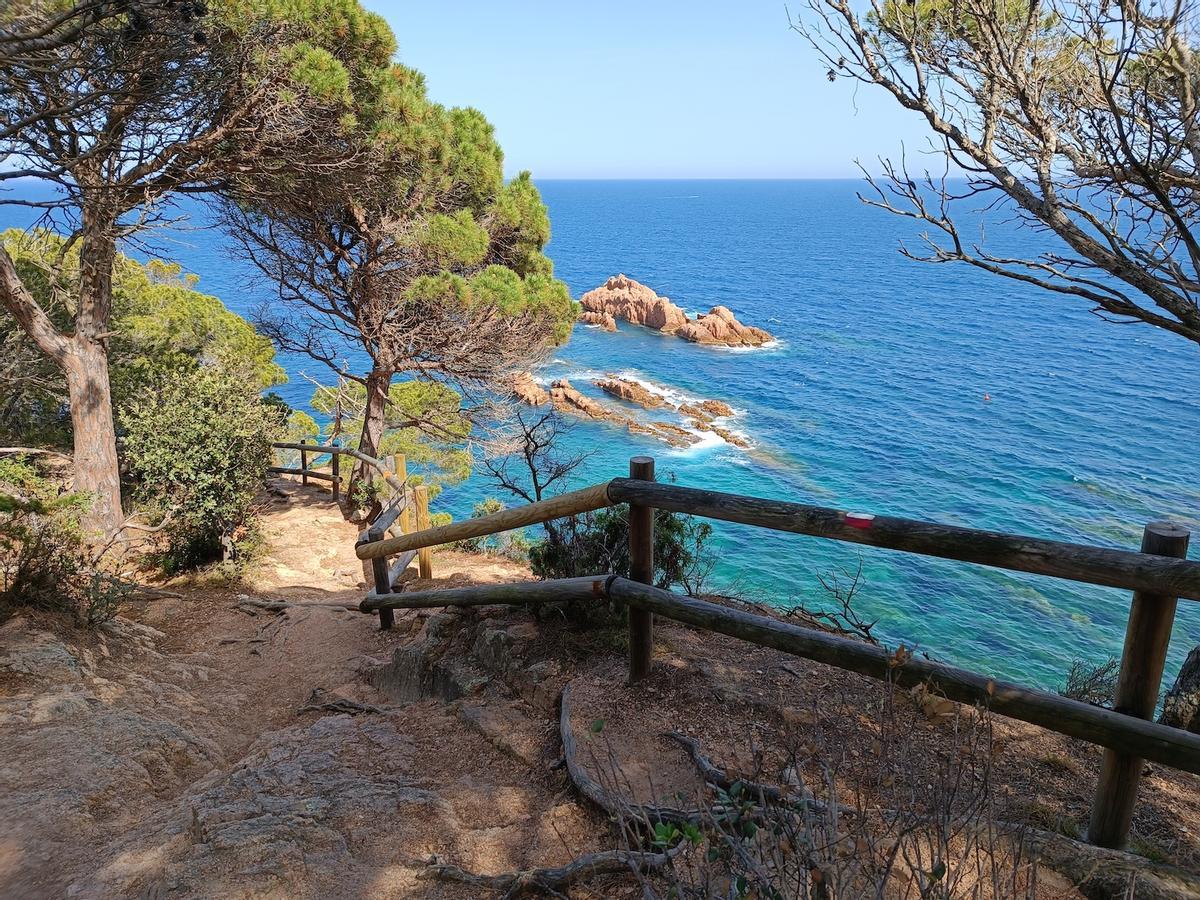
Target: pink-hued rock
{"type": "Point", "coordinates": [631, 391]}
{"type": "Point", "coordinates": [720, 326]}
{"type": "Point", "coordinates": [623, 298]}
{"type": "Point", "coordinates": [603, 319]}
{"type": "Point", "coordinates": [525, 389]}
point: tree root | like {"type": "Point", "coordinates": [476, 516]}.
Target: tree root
{"type": "Point", "coordinates": [765, 793]}
{"type": "Point", "coordinates": [553, 880]}
{"type": "Point", "coordinates": [620, 809]}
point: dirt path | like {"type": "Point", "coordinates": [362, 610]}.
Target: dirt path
{"type": "Point", "coordinates": [167, 754]}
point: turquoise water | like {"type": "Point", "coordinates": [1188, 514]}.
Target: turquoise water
{"type": "Point", "coordinates": [872, 400]}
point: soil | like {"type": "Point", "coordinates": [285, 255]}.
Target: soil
{"type": "Point", "coordinates": [201, 746]}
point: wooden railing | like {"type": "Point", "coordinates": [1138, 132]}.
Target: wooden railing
{"type": "Point", "coordinates": [404, 507]}
{"type": "Point", "coordinates": [1158, 575]}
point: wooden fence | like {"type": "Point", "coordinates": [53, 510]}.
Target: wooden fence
{"type": "Point", "coordinates": [404, 507]}
{"type": "Point", "coordinates": [1158, 575]}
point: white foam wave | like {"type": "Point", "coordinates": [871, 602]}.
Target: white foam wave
{"type": "Point", "coordinates": [769, 347]}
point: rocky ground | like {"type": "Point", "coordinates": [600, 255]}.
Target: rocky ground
{"type": "Point", "coordinates": [202, 746]}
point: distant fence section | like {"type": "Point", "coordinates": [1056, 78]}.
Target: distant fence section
{"type": "Point", "coordinates": [1158, 575]}
{"type": "Point", "coordinates": [403, 508]}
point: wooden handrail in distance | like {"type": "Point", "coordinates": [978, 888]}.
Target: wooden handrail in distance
{"type": "Point", "coordinates": [1057, 559]}
{"type": "Point", "coordinates": [590, 587]}
{"type": "Point", "coordinates": [569, 504]}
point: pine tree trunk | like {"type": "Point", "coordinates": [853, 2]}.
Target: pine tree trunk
{"type": "Point", "coordinates": [374, 420]}
{"type": "Point", "coordinates": [1181, 706]}
{"type": "Point", "coordinates": [95, 436]}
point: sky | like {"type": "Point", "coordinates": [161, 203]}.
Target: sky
{"type": "Point", "coordinates": [650, 89]}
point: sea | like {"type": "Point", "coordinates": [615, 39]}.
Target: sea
{"type": "Point", "coordinates": [895, 387]}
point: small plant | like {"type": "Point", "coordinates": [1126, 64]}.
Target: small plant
{"type": "Point", "coordinates": [509, 544]}
{"type": "Point", "coordinates": [44, 563]}
{"type": "Point", "coordinates": [1094, 684]}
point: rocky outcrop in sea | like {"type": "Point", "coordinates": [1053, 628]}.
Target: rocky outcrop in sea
{"type": "Point", "coordinates": [623, 298]}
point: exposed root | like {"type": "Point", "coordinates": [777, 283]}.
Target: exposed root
{"type": "Point", "coordinates": [554, 880]}
{"type": "Point", "coordinates": [248, 605]}
{"type": "Point", "coordinates": [620, 809]}
{"type": "Point", "coordinates": [337, 705]}
{"type": "Point", "coordinates": [765, 793]}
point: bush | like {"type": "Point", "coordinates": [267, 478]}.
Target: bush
{"type": "Point", "coordinates": [43, 563]}
{"type": "Point", "coordinates": [509, 544]}
{"type": "Point", "coordinates": [198, 452]}
{"type": "Point", "coordinates": [1094, 684]}
{"type": "Point", "coordinates": [599, 542]}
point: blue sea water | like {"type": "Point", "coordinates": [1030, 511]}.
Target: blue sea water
{"type": "Point", "coordinates": [872, 400]}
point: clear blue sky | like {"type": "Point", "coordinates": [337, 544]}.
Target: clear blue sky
{"type": "Point", "coordinates": [648, 89]}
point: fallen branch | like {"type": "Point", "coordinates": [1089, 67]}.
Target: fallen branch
{"type": "Point", "coordinates": [277, 606]}
{"type": "Point", "coordinates": [341, 705]}
{"type": "Point", "coordinates": [33, 451]}
{"type": "Point", "coordinates": [552, 880]}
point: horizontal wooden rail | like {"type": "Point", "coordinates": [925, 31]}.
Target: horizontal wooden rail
{"type": "Point", "coordinates": [320, 476]}
{"type": "Point", "coordinates": [399, 564]}
{"type": "Point", "coordinates": [1126, 734]}
{"type": "Point", "coordinates": [590, 587]}
{"type": "Point", "coordinates": [387, 518]}
{"type": "Point", "coordinates": [570, 504]}
{"type": "Point", "coordinates": [1057, 559]}
{"type": "Point", "coordinates": [335, 450]}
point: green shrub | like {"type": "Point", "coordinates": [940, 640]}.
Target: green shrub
{"type": "Point", "coordinates": [599, 543]}
{"type": "Point", "coordinates": [198, 452]}
{"type": "Point", "coordinates": [43, 562]}
{"type": "Point", "coordinates": [509, 544]}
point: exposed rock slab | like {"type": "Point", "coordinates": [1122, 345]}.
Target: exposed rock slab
{"type": "Point", "coordinates": [525, 389]}
{"type": "Point", "coordinates": [567, 399]}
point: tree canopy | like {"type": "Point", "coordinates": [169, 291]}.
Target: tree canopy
{"type": "Point", "coordinates": [1081, 118]}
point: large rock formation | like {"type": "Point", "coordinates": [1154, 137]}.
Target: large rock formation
{"type": "Point", "coordinates": [623, 298]}
{"type": "Point", "coordinates": [631, 391]}
{"type": "Point", "coordinates": [720, 326]}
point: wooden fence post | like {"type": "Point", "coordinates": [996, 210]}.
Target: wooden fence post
{"type": "Point", "coordinates": [335, 470]}
{"type": "Point", "coordinates": [425, 554]}
{"type": "Point", "coordinates": [641, 568]}
{"type": "Point", "coordinates": [406, 516]}
{"type": "Point", "coordinates": [304, 463]}
{"type": "Point", "coordinates": [380, 582]}
{"type": "Point", "coordinates": [1146, 638]}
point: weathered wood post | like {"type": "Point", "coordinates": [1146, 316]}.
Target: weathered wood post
{"type": "Point", "coordinates": [425, 554]}
{"type": "Point", "coordinates": [641, 568]}
{"type": "Point", "coordinates": [335, 470]}
{"type": "Point", "coordinates": [406, 515]}
{"type": "Point", "coordinates": [1146, 638]}
{"type": "Point", "coordinates": [304, 463]}
{"type": "Point", "coordinates": [380, 582]}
